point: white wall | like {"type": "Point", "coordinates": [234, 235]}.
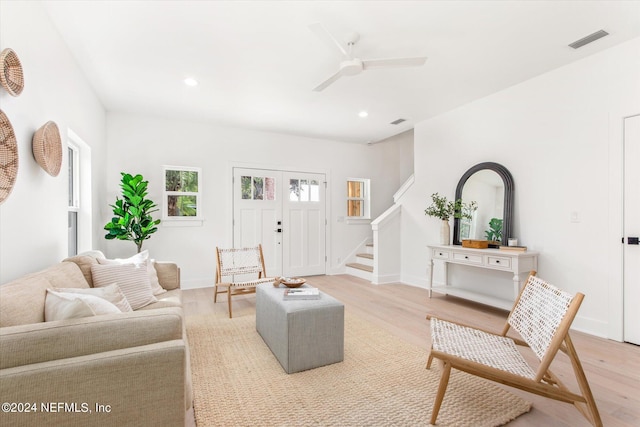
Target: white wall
{"type": "Point", "coordinates": [141, 144]}
{"type": "Point", "coordinates": [404, 144]}
{"type": "Point", "coordinates": [33, 220]}
{"type": "Point", "coordinates": [553, 133]}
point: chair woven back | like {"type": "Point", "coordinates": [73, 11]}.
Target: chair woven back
{"type": "Point", "coordinates": [240, 261]}
{"type": "Point", "coordinates": [538, 314]}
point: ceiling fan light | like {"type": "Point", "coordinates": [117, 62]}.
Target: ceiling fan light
{"type": "Point", "coordinates": [190, 81]}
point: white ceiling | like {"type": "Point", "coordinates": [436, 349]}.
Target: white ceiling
{"type": "Point", "coordinates": [257, 61]}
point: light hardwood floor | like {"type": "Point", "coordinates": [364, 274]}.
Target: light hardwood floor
{"type": "Point", "coordinates": [612, 368]}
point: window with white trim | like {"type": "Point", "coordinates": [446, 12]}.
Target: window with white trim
{"type": "Point", "coordinates": [74, 197]}
{"type": "Point", "coordinates": [182, 193]}
{"type": "Point", "coordinates": [358, 198]}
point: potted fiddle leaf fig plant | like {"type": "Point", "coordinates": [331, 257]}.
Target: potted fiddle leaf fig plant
{"type": "Point", "coordinates": [444, 209]}
{"type": "Point", "coordinates": [132, 218]}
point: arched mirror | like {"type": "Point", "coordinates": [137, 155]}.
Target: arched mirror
{"type": "Point", "coordinates": [490, 185]}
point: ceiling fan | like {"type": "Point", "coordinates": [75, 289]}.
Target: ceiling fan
{"type": "Point", "coordinates": [350, 65]}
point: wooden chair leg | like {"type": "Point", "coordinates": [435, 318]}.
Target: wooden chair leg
{"type": "Point", "coordinates": [429, 360]}
{"type": "Point", "coordinates": [442, 388]}
{"type": "Point", "coordinates": [591, 411]}
{"type": "Point", "coordinates": [229, 300]}
{"type": "Point", "coordinates": [215, 294]}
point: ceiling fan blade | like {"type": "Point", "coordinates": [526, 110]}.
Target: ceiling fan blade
{"type": "Point", "coordinates": [322, 86]}
{"type": "Point", "coordinates": [393, 62]}
{"type": "Point", "coordinates": [319, 30]}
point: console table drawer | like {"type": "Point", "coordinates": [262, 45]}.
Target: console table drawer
{"type": "Point", "coordinates": [468, 258]}
{"type": "Point", "coordinates": [439, 254]}
{"type": "Point", "coordinates": [499, 262]}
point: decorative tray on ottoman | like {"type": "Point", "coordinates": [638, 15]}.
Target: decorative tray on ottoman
{"type": "Point", "coordinates": [290, 282]}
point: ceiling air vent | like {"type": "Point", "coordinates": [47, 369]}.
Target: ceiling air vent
{"type": "Point", "coordinates": [590, 38]}
{"type": "Point", "coordinates": [398, 121]}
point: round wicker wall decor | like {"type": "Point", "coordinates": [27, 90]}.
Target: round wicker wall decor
{"type": "Point", "coordinates": [47, 148]}
{"type": "Point", "coordinates": [11, 76]}
{"type": "Point", "coordinates": [8, 157]}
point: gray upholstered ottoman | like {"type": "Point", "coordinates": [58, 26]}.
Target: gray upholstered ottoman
{"type": "Point", "coordinates": [301, 334]}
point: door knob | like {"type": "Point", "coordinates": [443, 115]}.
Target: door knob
{"type": "Point", "coordinates": [278, 230]}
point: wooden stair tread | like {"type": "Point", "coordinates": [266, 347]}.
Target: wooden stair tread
{"type": "Point", "coordinates": [369, 256]}
{"type": "Point", "coordinates": [359, 266]}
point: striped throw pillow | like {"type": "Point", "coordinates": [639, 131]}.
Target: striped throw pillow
{"type": "Point", "coordinates": [132, 280]}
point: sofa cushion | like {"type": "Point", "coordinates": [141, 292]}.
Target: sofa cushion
{"type": "Point", "coordinates": [22, 300]}
{"type": "Point", "coordinates": [171, 298]}
{"type": "Point", "coordinates": [66, 305]}
{"type": "Point", "coordinates": [84, 262]}
{"type": "Point", "coordinates": [133, 282]}
{"type": "Point", "coordinates": [111, 293]}
{"type": "Point", "coordinates": [140, 259]}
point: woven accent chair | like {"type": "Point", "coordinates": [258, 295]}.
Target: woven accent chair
{"type": "Point", "coordinates": [236, 262]}
{"type": "Point", "coordinates": [542, 316]}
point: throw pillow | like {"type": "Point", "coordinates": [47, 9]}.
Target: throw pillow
{"type": "Point", "coordinates": [133, 281]}
{"type": "Point", "coordinates": [61, 306]}
{"type": "Point", "coordinates": [111, 293]}
{"type": "Point", "coordinates": [139, 259]}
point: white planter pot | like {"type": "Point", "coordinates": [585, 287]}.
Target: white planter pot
{"type": "Point", "coordinates": [445, 233]}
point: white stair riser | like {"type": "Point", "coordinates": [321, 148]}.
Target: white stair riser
{"type": "Point", "coordinates": [365, 261]}
{"type": "Point", "coordinates": [369, 249]}
{"type": "Point", "coordinates": [359, 273]}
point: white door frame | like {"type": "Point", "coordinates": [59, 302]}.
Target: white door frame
{"type": "Point", "coordinates": [614, 246]}
{"type": "Point", "coordinates": [282, 168]}
{"type": "Point", "coordinates": [631, 291]}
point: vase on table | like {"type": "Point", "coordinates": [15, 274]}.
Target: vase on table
{"type": "Point", "coordinates": [444, 232]}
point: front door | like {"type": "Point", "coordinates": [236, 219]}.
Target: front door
{"type": "Point", "coordinates": [304, 221]}
{"type": "Point", "coordinates": [285, 212]}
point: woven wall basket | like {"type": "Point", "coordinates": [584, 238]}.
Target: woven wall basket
{"type": "Point", "coordinates": [8, 157]}
{"type": "Point", "coordinates": [11, 76]}
{"type": "Point", "coordinates": [47, 148]}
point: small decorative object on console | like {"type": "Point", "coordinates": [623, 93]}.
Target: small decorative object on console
{"type": "Point", "coordinates": [514, 248]}
{"type": "Point", "coordinates": [477, 244]}
{"type": "Point", "coordinates": [301, 294]}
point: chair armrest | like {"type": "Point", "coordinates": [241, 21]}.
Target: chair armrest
{"type": "Point", "coordinates": [142, 386]}
{"type": "Point", "coordinates": [49, 341]}
{"type": "Point", "coordinates": [168, 274]}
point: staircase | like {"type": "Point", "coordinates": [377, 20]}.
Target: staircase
{"type": "Point", "coordinates": [381, 261]}
{"type": "Point", "coordinates": [363, 267]}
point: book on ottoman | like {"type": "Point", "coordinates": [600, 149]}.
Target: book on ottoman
{"type": "Point", "coordinates": [291, 294]}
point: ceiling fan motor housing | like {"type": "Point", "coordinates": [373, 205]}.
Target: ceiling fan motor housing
{"type": "Point", "coordinates": [351, 67]}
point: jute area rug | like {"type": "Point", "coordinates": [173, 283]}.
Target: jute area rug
{"type": "Point", "coordinates": [382, 382]}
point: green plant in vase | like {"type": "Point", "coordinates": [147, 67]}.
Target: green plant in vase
{"type": "Point", "coordinates": [444, 209]}
{"type": "Point", "coordinates": [132, 218]}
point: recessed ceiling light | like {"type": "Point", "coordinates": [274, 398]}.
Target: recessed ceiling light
{"type": "Point", "coordinates": [189, 81]}
{"type": "Point", "coordinates": [363, 114]}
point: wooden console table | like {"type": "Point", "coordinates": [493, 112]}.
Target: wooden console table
{"type": "Point", "coordinates": [517, 263]}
